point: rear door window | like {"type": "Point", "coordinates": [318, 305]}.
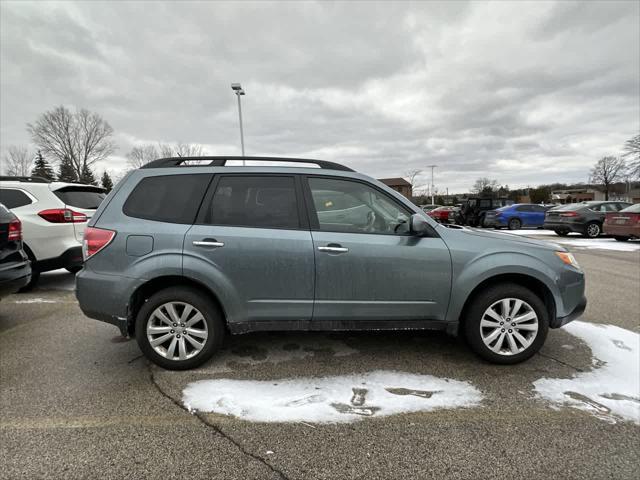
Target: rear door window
{"type": "Point", "coordinates": [12, 198]}
{"type": "Point", "coordinates": [168, 198]}
{"type": "Point", "coordinates": [81, 197]}
{"type": "Point", "coordinates": [267, 201]}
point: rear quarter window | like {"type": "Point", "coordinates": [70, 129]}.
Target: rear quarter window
{"type": "Point", "coordinates": [167, 198]}
{"type": "Point", "coordinates": [80, 197]}
{"type": "Point", "coordinates": [12, 198]}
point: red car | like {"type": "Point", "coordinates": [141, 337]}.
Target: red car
{"type": "Point", "coordinates": [442, 214]}
{"type": "Point", "coordinates": [624, 224]}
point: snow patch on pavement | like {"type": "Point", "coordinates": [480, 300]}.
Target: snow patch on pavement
{"type": "Point", "coordinates": [578, 241]}
{"type": "Point", "coordinates": [336, 399]}
{"type": "Point", "coordinates": [36, 300]}
{"type": "Point", "coordinates": [612, 389]}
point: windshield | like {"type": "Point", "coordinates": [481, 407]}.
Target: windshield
{"type": "Point", "coordinates": [81, 197]}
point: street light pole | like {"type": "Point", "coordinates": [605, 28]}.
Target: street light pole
{"type": "Point", "coordinates": [432, 196]}
{"type": "Point", "coordinates": [237, 88]}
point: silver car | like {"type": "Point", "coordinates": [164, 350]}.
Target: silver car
{"type": "Point", "coordinates": [186, 250]}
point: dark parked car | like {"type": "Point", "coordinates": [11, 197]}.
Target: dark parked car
{"type": "Point", "coordinates": [474, 209]}
{"type": "Point", "coordinates": [516, 216]}
{"type": "Point", "coordinates": [15, 268]}
{"type": "Point", "coordinates": [180, 253]}
{"type": "Point", "coordinates": [624, 224]}
{"type": "Point", "coordinates": [585, 218]}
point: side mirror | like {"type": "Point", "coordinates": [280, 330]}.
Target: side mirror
{"type": "Point", "coordinates": [419, 225]}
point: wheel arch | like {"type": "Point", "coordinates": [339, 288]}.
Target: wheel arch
{"type": "Point", "coordinates": [144, 291]}
{"type": "Point", "coordinates": [535, 285]}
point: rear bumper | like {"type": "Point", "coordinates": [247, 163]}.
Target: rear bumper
{"type": "Point", "coordinates": [106, 297]}
{"type": "Point", "coordinates": [575, 313]}
{"type": "Point", "coordinates": [622, 230]}
{"type": "Point", "coordinates": [14, 277]}
{"type": "Point", "coordinates": [71, 257]}
{"type": "Point", "coordinates": [564, 226]}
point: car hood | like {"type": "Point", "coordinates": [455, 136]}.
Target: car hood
{"type": "Point", "coordinates": [503, 237]}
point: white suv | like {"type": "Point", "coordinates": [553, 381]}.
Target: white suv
{"type": "Point", "coordinates": [53, 216]}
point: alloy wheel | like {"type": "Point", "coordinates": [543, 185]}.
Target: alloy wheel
{"type": "Point", "coordinates": [177, 331]}
{"type": "Point", "coordinates": [593, 230]}
{"type": "Point", "coordinates": [509, 326]}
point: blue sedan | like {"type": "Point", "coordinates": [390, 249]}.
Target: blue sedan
{"type": "Point", "coordinates": [516, 216]}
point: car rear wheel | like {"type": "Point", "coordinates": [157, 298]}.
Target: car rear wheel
{"type": "Point", "coordinates": [515, 224]}
{"type": "Point", "coordinates": [562, 233]}
{"type": "Point", "coordinates": [592, 230]}
{"type": "Point", "coordinates": [179, 328]}
{"type": "Point", "coordinates": [621, 239]}
{"type": "Point", "coordinates": [506, 324]}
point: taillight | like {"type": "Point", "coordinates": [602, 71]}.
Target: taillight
{"type": "Point", "coordinates": [15, 230]}
{"type": "Point", "coordinates": [95, 239]}
{"type": "Point", "coordinates": [569, 214]}
{"type": "Point", "coordinates": [62, 215]}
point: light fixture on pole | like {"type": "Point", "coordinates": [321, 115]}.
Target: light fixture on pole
{"type": "Point", "coordinates": [432, 198]}
{"type": "Point", "coordinates": [237, 88]}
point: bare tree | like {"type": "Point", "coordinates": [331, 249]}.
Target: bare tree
{"type": "Point", "coordinates": [188, 150]}
{"type": "Point", "coordinates": [141, 155]}
{"type": "Point", "coordinates": [165, 150]}
{"type": "Point", "coordinates": [82, 137]}
{"type": "Point", "coordinates": [17, 161]}
{"type": "Point", "coordinates": [606, 171]}
{"type": "Point", "coordinates": [632, 154]}
{"type": "Point", "coordinates": [485, 185]}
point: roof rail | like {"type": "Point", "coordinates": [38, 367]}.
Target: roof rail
{"type": "Point", "coordinates": [24, 179]}
{"type": "Point", "coordinates": [221, 162]}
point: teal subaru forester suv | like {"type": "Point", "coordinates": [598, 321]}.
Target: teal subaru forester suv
{"type": "Point", "coordinates": [186, 250]}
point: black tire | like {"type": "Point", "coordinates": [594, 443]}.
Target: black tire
{"type": "Point", "coordinates": [621, 239]}
{"type": "Point", "coordinates": [592, 230]}
{"type": "Point", "coordinates": [73, 270]}
{"type": "Point", "coordinates": [196, 298]}
{"type": "Point", "coordinates": [485, 299]}
{"type": "Point", "coordinates": [562, 233]}
{"type": "Point", "coordinates": [515, 224]}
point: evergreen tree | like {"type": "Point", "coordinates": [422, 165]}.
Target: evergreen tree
{"type": "Point", "coordinates": [107, 184]}
{"type": "Point", "coordinates": [42, 168]}
{"type": "Point", "coordinates": [86, 176]}
{"type": "Point", "coordinates": [66, 173]}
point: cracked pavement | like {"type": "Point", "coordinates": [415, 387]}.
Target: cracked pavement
{"type": "Point", "coordinates": [78, 401]}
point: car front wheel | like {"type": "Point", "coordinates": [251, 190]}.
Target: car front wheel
{"type": "Point", "coordinates": [179, 328]}
{"type": "Point", "coordinates": [506, 324]}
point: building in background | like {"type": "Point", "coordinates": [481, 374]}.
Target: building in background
{"type": "Point", "coordinates": [399, 185]}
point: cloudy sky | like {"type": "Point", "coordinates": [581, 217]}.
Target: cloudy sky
{"type": "Point", "coordinates": [526, 93]}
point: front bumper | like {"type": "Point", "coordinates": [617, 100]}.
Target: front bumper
{"type": "Point", "coordinates": [575, 313]}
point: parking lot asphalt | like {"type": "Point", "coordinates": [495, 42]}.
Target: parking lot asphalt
{"type": "Point", "coordinates": [79, 401]}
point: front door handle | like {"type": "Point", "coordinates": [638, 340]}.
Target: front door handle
{"type": "Point", "coordinates": [208, 242]}
{"type": "Point", "coordinates": [333, 248]}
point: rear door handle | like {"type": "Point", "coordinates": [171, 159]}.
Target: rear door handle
{"type": "Point", "coordinates": [208, 242]}
{"type": "Point", "coordinates": [333, 248]}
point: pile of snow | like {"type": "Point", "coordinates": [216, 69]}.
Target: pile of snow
{"type": "Point", "coordinates": [330, 399]}
{"type": "Point", "coordinates": [612, 389]}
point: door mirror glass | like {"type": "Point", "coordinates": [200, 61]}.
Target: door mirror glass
{"type": "Point", "coordinates": [419, 225]}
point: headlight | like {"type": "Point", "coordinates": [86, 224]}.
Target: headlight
{"type": "Point", "coordinates": [568, 258]}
